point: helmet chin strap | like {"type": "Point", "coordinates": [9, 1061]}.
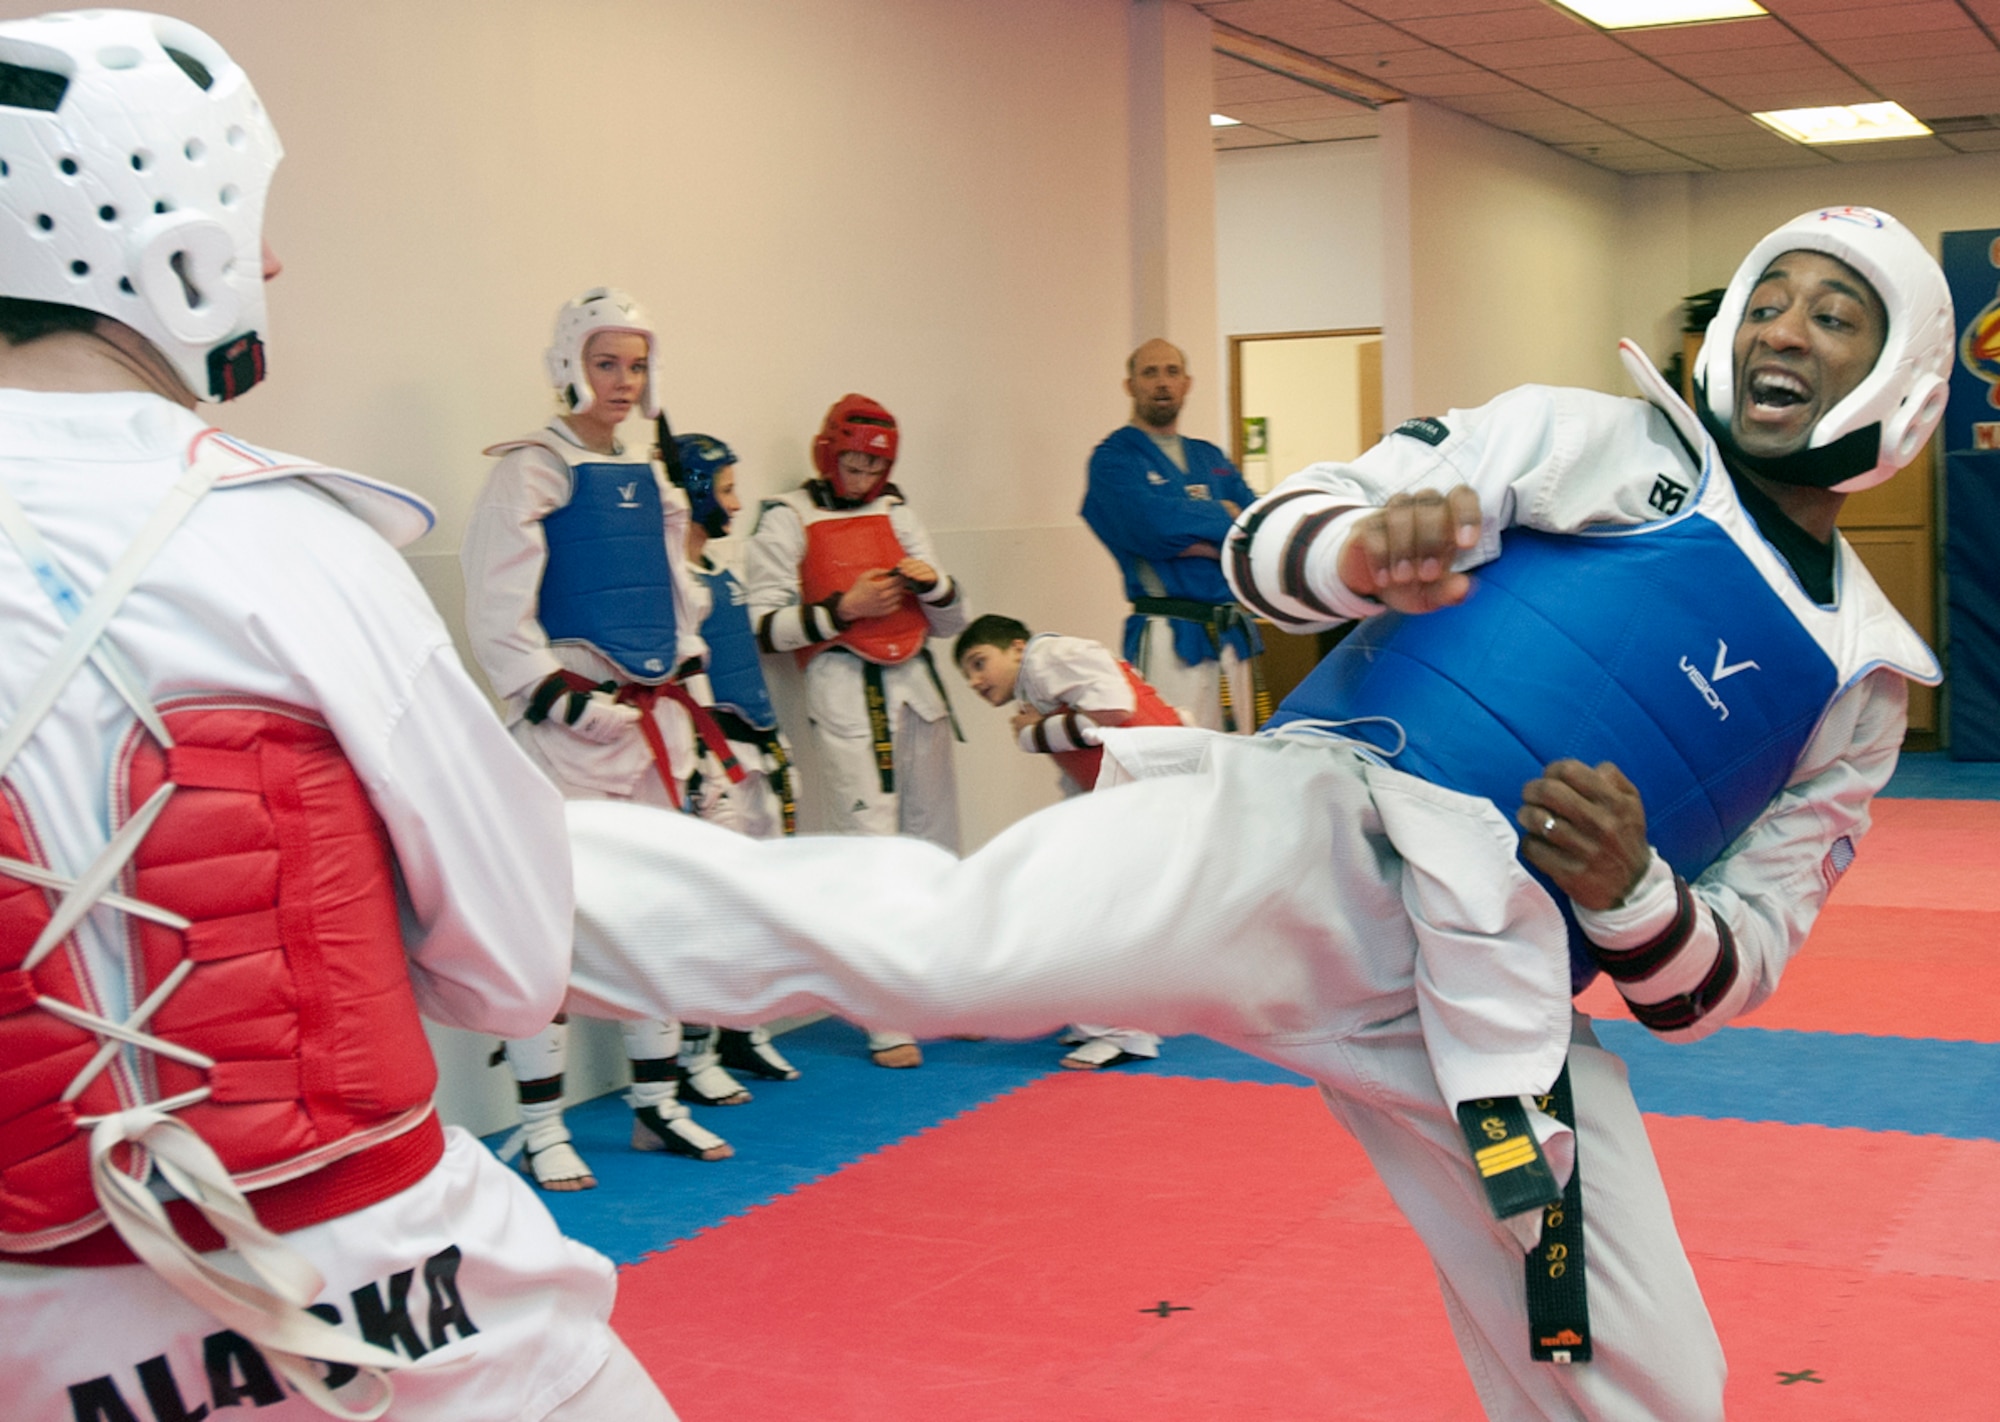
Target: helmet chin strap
{"type": "Point", "coordinates": [1854, 453]}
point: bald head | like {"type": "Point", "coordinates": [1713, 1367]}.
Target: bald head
{"type": "Point", "coordinates": [1156, 377]}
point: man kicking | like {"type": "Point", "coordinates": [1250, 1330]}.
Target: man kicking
{"type": "Point", "coordinates": [1645, 747]}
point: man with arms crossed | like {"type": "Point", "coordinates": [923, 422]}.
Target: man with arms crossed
{"type": "Point", "coordinates": [1162, 502]}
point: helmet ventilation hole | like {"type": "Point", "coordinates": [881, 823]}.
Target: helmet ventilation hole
{"type": "Point", "coordinates": [107, 213]}
{"type": "Point", "coordinates": [188, 289]}
{"type": "Point", "coordinates": [195, 150]}
{"type": "Point", "coordinates": [163, 206]}
{"type": "Point", "coordinates": [68, 166]}
{"type": "Point", "coordinates": [141, 160]}
{"type": "Point", "coordinates": [237, 136]}
{"type": "Point", "coordinates": [229, 196]}
{"type": "Point", "coordinates": [125, 285]}
{"type": "Point", "coordinates": [119, 56]}
{"type": "Point", "coordinates": [79, 268]}
{"type": "Point", "coordinates": [4, 169]}
{"type": "Point", "coordinates": [45, 222]}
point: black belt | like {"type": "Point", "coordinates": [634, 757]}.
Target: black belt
{"type": "Point", "coordinates": [772, 744]}
{"type": "Point", "coordinates": [1217, 619]}
{"type": "Point", "coordinates": [1517, 1177]}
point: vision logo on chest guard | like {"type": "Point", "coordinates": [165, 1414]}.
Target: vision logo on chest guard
{"type": "Point", "coordinates": [1721, 671]}
{"type": "Point", "coordinates": [628, 495]}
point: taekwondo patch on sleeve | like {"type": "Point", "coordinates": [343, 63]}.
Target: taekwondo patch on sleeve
{"type": "Point", "coordinates": [1837, 860]}
{"type": "Point", "coordinates": [1430, 431]}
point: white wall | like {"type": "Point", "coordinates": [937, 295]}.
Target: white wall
{"type": "Point", "coordinates": [1298, 240]}
{"type": "Point", "coordinates": [924, 200]}
{"type": "Point", "coordinates": [1500, 267]}
{"type": "Point", "coordinates": [1704, 234]}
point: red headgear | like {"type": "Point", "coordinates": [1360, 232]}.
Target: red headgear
{"type": "Point", "coordinates": [857, 424]}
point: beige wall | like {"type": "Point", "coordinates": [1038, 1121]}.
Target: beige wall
{"type": "Point", "coordinates": [1702, 224]}
{"type": "Point", "coordinates": [925, 200]}
{"type": "Point", "coordinates": [1500, 263]}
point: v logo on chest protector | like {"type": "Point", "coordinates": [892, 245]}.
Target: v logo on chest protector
{"type": "Point", "coordinates": [1722, 671]}
{"type": "Point", "coordinates": [628, 495]}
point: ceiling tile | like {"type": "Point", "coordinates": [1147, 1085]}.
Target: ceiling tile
{"type": "Point", "coordinates": [1893, 150]}
{"type": "Point", "coordinates": [1696, 108]}
{"type": "Point", "coordinates": [1397, 11]}
{"type": "Point", "coordinates": [1308, 105]}
{"type": "Point", "coordinates": [1343, 44]}
{"type": "Point", "coordinates": [1695, 39]}
{"type": "Point", "coordinates": [1988, 142]}
{"type": "Point", "coordinates": [1271, 17]}
{"type": "Point", "coordinates": [1761, 92]}
{"type": "Point", "coordinates": [1523, 22]}
{"type": "Point", "coordinates": [1863, 53]}
{"type": "Point", "coordinates": [1251, 87]}
{"type": "Point", "coordinates": [1420, 62]}
{"type": "Point", "coordinates": [1786, 60]}
{"type": "Point", "coordinates": [1247, 137]}
{"type": "Point", "coordinates": [1675, 130]}
{"type": "Point", "coordinates": [1326, 130]}
{"type": "Point", "coordinates": [1671, 93]}
{"type": "Point", "coordinates": [1476, 84]}
{"type": "Point", "coordinates": [1881, 20]}
{"type": "Point", "coordinates": [1553, 77]}
{"type": "Point", "coordinates": [1592, 48]}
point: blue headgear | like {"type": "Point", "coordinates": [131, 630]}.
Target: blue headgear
{"type": "Point", "coordinates": [702, 458]}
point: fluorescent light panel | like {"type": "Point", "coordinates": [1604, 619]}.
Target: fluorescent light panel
{"type": "Point", "coordinates": [1843, 123]}
{"type": "Point", "coordinates": [1222, 121]}
{"type": "Point", "coordinates": [1650, 14]}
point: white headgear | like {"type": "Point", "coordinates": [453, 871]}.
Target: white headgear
{"type": "Point", "coordinates": [602, 308]}
{"type": "Point", "coordinates": [134, 160]}
{"type": "Point", "coordinates": [1888, 416]}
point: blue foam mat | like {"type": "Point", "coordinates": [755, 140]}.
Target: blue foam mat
{"type": "Point", "coordinates": [844, 1108]}
{"type": "Point", "coordinates": [1933, 775]}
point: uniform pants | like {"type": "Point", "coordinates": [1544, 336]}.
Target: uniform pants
{"type": "Point", "coordinates": [1194, 689]}
{"type": "Point", "coordinates": [924, 802]}
{"type": "Point", "coordinates": [1257, 900]}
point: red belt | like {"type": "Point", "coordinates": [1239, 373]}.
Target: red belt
{"type": "Point", "coordinates": [642, 697]}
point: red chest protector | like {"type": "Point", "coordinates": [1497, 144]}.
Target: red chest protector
{"type": "Point", "coordinates": [840, 547]}
{"type": "Point", "coordinates": [1083, 765]}
{"type": "Point", "coordinates": [295, 987]}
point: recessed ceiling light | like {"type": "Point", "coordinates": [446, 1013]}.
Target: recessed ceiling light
{"type": "Point", "coordinates": [1222, 121]}
{"type": "Point", "coordinates": [1844, 123]}
{"type": "Point", "coordinates": [1646, 14]}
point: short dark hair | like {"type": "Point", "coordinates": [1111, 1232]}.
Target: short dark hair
{"type": "Point", "coordinates": [22, 321]}
{"type": "Point", "coordinates": [991, 630]}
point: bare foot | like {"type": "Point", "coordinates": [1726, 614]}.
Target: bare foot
{"type": "Point", "coordinates": [906, 1054]}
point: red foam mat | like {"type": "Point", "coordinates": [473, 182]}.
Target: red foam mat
{"type": "Point", "coordinates": [1011, 1264]}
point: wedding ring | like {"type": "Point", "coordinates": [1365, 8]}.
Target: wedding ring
{"type": "Point", "coordinates": [1548, 825]}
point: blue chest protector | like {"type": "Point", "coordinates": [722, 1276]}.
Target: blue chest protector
{"type": "Point", "coordinates": [1662, 649]}
{"type": "Point", "coordinates": [607, 584]}
{"type": "Point", "coordinates": [734, 672]}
